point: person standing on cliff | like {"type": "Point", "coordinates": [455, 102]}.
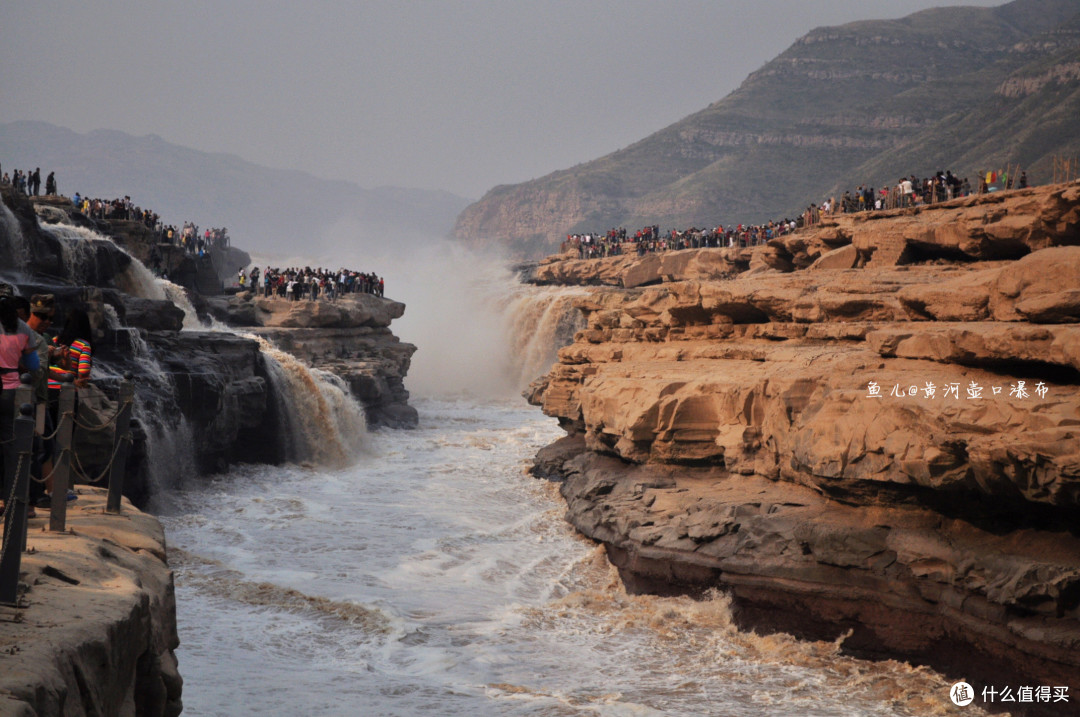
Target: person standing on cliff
{"type": "Point", "coordinates": [35, 179]}
{"type": "Point", "coordinates": [50, 184]}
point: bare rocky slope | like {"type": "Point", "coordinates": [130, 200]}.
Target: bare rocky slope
{"type": "Point", "coordinates": [958, 88]}
{"type": "Point", "coordinates": [868, 428]}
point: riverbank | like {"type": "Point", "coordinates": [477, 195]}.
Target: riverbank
{"type": "Point", "coordinates": [864, 429]}
{"type": "Point", "coordinates": [97, 627]}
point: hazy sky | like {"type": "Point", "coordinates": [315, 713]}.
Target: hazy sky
{"type": "Point", "coordinates": [460, 96]}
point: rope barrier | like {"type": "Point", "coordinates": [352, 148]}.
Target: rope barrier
{"type": "Point", "coordinates": [59, 425]}
{"type": "Point", "coordinates": [82, 471]}
{"type": "Point", "coordinates": [108, 423]}
{"type": "Point", "coordinates": [56, 462]}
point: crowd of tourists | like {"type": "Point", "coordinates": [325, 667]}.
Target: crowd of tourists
{"type": "Point", "coordinates": [649, 239]}
{"type": "Point", "coordinates": [910, 191]}
{"type": "Point", "coordinates": [192, 241]}
{"type": "Point", "coordinates": [294, 283]}
{"type": "Point", "coordinates": [29, 182]}
{"type": "Point", "coordinates": [914, 191]}
{"type": "Point", "coordinates": [119, 208]}
{"type": "Point", "coordinates": [28, 344]}
{"type": "Point", "coordinates": [187, 236]}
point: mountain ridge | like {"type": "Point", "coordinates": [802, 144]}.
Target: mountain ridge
{"type": "Point", "coordinates": [222, 189]}
{"type": "Point", "coordinates": [813, 121]}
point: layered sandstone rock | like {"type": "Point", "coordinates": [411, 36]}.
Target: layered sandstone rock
{"type": "Point", "coordinates": [1002, 225]}
{"type": "Point", "coordinates": [350, 337]}
{"type": "Point", "coordinates": [96, 629]}
{"type": "Point", "coordinates": [892, 450]}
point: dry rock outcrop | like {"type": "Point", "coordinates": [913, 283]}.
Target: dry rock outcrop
{"type": "Point", "coordinates": [96, 629]}
{"type": "Point", "coordinates": [890, 448]}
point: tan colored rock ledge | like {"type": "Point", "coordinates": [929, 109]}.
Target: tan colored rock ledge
{"type": "Point", "coordinates": [102, 645]}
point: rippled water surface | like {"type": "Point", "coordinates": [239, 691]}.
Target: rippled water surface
{"type": "Point", "coordinates": [436, 578]}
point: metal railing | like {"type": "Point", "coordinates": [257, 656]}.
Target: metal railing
{"type": "Point", "coordinates": [18, 451]}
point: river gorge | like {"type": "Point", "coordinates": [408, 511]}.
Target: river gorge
{"type": "Point", "coordinates": [711, 512]}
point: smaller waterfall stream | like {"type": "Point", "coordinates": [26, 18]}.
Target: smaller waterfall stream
{"type": "Point", "coordinates": [14, 251]}
{"type": "Point", "coordinates": [539, 321]}
{"type": "Point", "coordinates": [318, 418]}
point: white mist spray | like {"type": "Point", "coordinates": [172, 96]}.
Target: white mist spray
{"type": "Point", "coordinates": [477, 329]}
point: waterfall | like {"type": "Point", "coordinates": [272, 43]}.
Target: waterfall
{"type": "Point", "coordinates": [176, 294]}
{"type": "Point", "coordinates": [14, 251]}
{"type": "Point", "coordinates": [480, 331]}
{"type": "Point", "coordinates": [318, 418]}
{"type": "Point", "coordinates": [80, 251]}
{"type": "Point", "coordinates": [317, 415]}
{"type": "Point", "coordinates": [539, 321]}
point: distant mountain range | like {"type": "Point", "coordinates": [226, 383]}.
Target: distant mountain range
{"type": "Point", "coordinates": [961, 88]}
{"type": "Point", "coordinates": [269, 210]}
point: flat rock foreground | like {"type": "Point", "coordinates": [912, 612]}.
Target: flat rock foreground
{"type": "Point", "coordinates": [97, 628]}
{"type": "Point", "coordinates": [870, 427]}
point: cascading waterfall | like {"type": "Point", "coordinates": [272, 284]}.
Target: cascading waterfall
{"type": "Point", "coordinates": [79, 247]}
{"type": "Point", "coordinates": [14, 251]}
{"type": "Point", "coordinates": [481, 332]}
{"type": "Point", "coordinates": [319, 418]}
{"type": "Point", "coordinates": [539, 321]}
{"type": "Point", "coordinates": [169, 435]}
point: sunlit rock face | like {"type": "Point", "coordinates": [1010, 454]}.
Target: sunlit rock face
{"type": "Point", "coordinates": [887, 442]}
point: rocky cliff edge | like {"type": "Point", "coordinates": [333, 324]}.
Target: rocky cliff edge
{"type": "Point", "coordinates": [869, 428]}
{"type": "Point", "coordinates": [97, 629]}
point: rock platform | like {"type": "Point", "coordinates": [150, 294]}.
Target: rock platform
{"type": "Point", "coordinates": [96, 629]}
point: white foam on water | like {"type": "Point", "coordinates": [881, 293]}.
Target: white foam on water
{"type": "Point", "coordinates": [436, 577]}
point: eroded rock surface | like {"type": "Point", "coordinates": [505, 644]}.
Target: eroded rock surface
{"type": "Point", "coordinates": [350, 337]}
{"type": "Point", "coordinates": [97, 631]}
{"type": "Point", "coordinates": [892, 449]}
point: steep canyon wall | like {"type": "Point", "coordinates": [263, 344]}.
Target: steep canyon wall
{"type": "Point", "coordinates": [871, 428]}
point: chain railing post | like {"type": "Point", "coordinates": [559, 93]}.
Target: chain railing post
{"type": "Point", "coordinates": [15, 515]}
{"type": "Point", "coordinates": [120, 446]}
{"type": "Point", "coordinates": [61, 480]}
{"type": "Point", "coordinates": [25, 392]}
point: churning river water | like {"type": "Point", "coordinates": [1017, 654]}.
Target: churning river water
{"type": "Point", "coordinates": [435, 577]}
